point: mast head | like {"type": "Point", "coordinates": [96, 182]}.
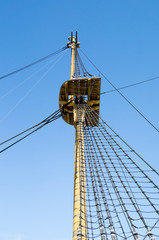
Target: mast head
{"type": "Point", "coordinates": [73, 41]}
{"type": "Point", "coordinates": [87, 88]}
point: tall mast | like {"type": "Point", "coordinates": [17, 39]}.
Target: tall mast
{"type": "Point", "coordinates": [74, 95]}
{"type": "Point", "coordinates": [79, 211]}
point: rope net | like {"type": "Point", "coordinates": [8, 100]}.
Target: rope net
{"type": "Point", "coordinates": [122, 197]}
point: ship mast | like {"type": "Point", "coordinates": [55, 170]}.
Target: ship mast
{"type": "Point", "coordinates": [79, 212]}
{"type": "Point", "coordinates": [75, 95]}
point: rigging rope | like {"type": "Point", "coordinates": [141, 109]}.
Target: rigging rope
{"type": "Point", "coordinates": [147, 120]}
{"type": "Point", "coordinates": [33, 86]}
{"type": "Point", "coordinates": [54, 116]}
{"type": "Point", "coordinates": [119, 188]}
{"type": "Point", "coordinates": [33, 63]}
{"type": "Point", "coordinates": [131, 85]}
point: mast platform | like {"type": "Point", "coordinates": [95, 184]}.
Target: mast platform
{"type": "Point", "coordinates": [87, 88]}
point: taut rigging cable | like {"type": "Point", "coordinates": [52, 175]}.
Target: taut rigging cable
{"type": "Point", "coordinates": [33, 86]}
{"type": "Point", "coordinates": [148, 121]}
{"type": "Point", "coordinates": [131, 85]}
{"type": "Point", "coordinates": [33, 63]}
{"type": "Point", "coordinates": [54, 116]}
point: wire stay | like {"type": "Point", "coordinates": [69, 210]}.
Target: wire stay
{"type": "Point", "coordinates": [148, 121]}
{"type": "Point", "coordinates": [33, 63]}
{"type": "Point", "coordinates": [132, 85]}
{"type": "Point", "coordinates": [54, 116]}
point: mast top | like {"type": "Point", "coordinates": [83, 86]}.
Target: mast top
{"type": "Point", "coordinates": [86, 88]}
{"type": "Point", "coordinates": [73, 41]}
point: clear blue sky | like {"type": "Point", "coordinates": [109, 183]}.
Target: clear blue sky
{"type": "Point", "coordinates": [36, 176]}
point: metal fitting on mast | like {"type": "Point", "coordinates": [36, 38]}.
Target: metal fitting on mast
{"type": "Point", "coordinates": [73, 41]}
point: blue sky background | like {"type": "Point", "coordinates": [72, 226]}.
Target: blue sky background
{"type": "Point", "coordinates": [36, 176]}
